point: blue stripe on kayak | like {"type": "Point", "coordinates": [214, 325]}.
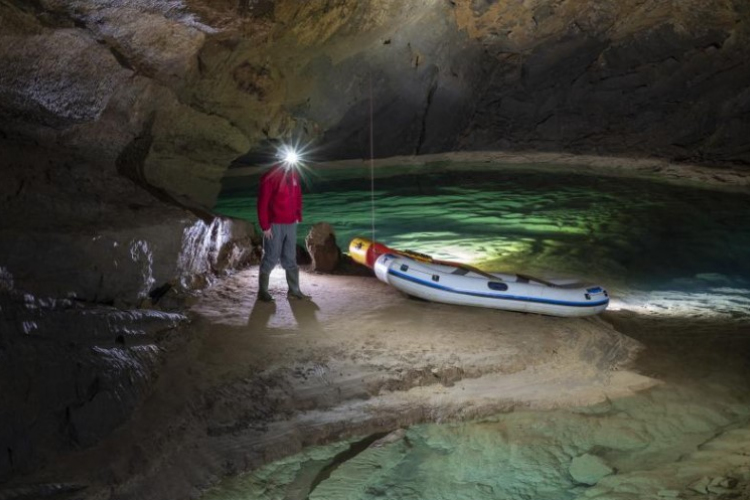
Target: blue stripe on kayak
{"type": "Point", "coordinates": [519, 298]}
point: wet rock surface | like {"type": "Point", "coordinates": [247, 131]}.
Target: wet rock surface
{"type": "Point", "coordinates": [677, 439]}
{"type": "Point", "coordinates": [94, 274]}
{"type": "Point", "coordinates": [125, 265]}
{"type": "Point", "coordinates": [525, 454]}
{"type": "Point", "coordinates": [255, 384]}
{"type": "Point", "coordinates": [588, 469]}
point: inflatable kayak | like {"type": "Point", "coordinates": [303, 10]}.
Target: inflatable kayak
{"type": "Point", "coordinates": [422, 276]}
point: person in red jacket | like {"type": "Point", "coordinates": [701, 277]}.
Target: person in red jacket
{"type": "Point", "coordinates": [279, 212]}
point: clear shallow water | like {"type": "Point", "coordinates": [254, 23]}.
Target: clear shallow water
{"type": "Point", "coordinates": [622, 445]}
{"type": "Point", "coordinates": [675, 255]}
{"type": "Point", "coordinates": [662, 248]}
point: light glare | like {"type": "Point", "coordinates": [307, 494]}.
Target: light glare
{"type": "Point", "coordinates": [292, 158]}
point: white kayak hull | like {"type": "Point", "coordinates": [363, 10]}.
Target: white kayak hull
{"type": "Point", "coordinates": [452, 285]}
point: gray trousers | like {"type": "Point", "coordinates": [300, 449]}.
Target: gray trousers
{"type": "Point", "coordinates": [281, 247]}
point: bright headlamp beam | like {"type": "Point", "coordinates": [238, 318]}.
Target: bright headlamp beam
{"type": "Point", "coordinates": [291, 157]}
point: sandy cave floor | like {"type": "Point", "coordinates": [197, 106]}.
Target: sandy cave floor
{"type": "Point", "coordinates": [257, 382]}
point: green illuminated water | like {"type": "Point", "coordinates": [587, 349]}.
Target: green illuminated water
{"type": "Point", "coordinates": [632, 235]}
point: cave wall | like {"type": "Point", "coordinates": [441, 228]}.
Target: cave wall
{"type": "Point", "coordinates": [650, 78]}
{"type": "Point", "coordinates": [89, 94]}
{"type": "Point", "coordinates": [204, 82]}
{"type": "Point", "coordinates": [93, 254]}
{"type": "Point", "coordinates": [70, 374]}
{"type": "Point", "coordinates": [118, 119]}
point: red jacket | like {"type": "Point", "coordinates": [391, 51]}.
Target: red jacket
{"type": "Point", "coordinates": [279, 197]}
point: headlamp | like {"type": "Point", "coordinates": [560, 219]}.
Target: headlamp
{"type": "Point", "coordinates": [289, 157]}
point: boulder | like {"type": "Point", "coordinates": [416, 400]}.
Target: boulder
{"type": "Point", "coordinates": [321, 245]}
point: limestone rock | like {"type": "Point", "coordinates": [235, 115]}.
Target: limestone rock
{"type": "Point", "coordinates": [214, 248]}
{"type": "Point", "coordinates": [717, 485]}
{"type": "Point", "coordinates": [190, 151]}
{"type": "Point", "coordinates": [321, 245]}
{"type": "Point", "coordinates": [61, 87]}
{"type": "Point", "coordinates": [124, 264]}
{"type": "Point", "coordinates": [115, 115]}
{"type": "Point", "coordinates": [389, 438]}
{"type": "Point", "coordinates": [234, 247]}
{"type": "Point", "coordinates": [70, 373]}
{"type": "Point", "coordinates": [666, 79]}
{"type": "Point", "coordinates": [589, 469]}
{"type": "Point", "coordinates": [668, 494]}
{"type": "Point", "coordinates": [149, 42]}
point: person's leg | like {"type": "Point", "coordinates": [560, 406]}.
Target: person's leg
{"type": "Point", "coordinates": [272, 248]}
{"type": "Point", "coordinates": [288, 250]}
{"type": "Point", "coordinates": [289, 262]}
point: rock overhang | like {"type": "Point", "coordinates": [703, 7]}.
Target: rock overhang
{"type": "Point", "coordinates": [209, 82]}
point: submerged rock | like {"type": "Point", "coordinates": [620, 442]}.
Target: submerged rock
{"type": "Point", "coordinates": [589, 469]}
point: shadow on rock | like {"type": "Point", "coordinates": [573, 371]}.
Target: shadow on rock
{"type": "Point", "coordinates": [260, 316]}
{"type": "Point", "coordinates": [304, 312]}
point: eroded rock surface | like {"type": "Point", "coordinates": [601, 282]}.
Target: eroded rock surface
{"type": "Point", "coordinates": [71, 373]}
{"type": "Point", "coordinates": [589, 469]}
{"type": "Point", "coordinates": [119, 118]}
{"type": "Point", "coordinates": [259, 382]}
{"type": "Point", "coordinates": [111, 108]}
{"type": "Point", "coordinates": [197, 84]}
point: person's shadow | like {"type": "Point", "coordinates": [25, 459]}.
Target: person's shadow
{"type": "Point", "coordinates": [304, 312]}
{"type": "Point", "coordinates": [261, 315]}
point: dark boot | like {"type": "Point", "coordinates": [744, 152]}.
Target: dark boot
{"type": "Point", "coordinates": [292, 279]}
{"type": "Point", "coordinates": [263, 288]}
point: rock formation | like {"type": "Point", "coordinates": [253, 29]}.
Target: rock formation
{"type": "Point", "coordinates": [321, 245]}
{"type": "Point", "coordinates": [118, 119]}
{"type": "Point", "coordinates": [170, 94]}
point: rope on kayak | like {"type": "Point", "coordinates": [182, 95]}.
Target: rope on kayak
{"type": "Point", "coordinates": [372, 166]}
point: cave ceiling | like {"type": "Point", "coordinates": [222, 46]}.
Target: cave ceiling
{"type": "Point", "coordinates": [169, 94]}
